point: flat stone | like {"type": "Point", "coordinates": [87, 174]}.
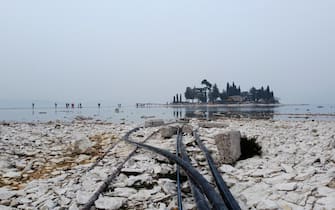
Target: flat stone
{"type": "Point", "coordinates": [305, 175]}
{"type": "Point", "coordinates": [141, 195]}
{"type": "Point", "coordinates": [212, 125]}
{"type": "Point", "coordinates": [24, 200]}
{"type": "Point", "coordinates": [4, 164]}
{"type": "Point", "coordinates": [6, 193]}
{"type": "Point", "coordinates": [327, 202]}
{"type": "Point", "coordinates": [267, 205]}
{"type": "Point", "coordinates": [49, 204]}
{"type": "Point", "coordinates": [288, 168]}
{"type": "Point", "coordinates": [6, 208]}
{"type": "Point", "coordinates": [12, 174]}
{"type": "Point", "coordinates": [110, 203]}
{"type": "Point", "coordinates": [286, 186]}
{"type": "Point", "coordinates": [73, 206]}
{"type": "Point", "coordinates": [124, 192]}
{"type": "Point", "coordinates": [225, 168]}
{"type": "Point", "coordinates": [252, 198]}
{"type": "Point", "coordinates": [143, 178]}
{"type": "Point", "coordinates": [282, 178]}
{"type": "Point", "coordinates": [83, 197]}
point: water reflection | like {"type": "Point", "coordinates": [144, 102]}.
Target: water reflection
{"type": "Point", "coordinates": [139, 114]}
{"type": "Point", "coordinates": [208, 112]}
{"type": "Point", "coordinates": [177, 113]}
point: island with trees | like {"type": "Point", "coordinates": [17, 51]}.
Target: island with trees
{"type": "Point", "coordinates": [232, 94]}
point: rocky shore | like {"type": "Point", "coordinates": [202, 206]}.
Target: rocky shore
{"type": "Point", "coordinates": [56, 165]}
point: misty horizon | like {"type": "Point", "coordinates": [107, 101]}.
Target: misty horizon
{"type": "Point", "coordinates": [121, 52]}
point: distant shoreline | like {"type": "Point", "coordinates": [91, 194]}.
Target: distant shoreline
{"type": "Point", "coordinates": [225, 105]}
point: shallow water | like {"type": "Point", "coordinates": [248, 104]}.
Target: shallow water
{"type": "Point", "coordinates": [133, 114]}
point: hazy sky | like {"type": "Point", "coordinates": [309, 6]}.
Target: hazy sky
{"type": "Point", "coordinates": [140, 51]}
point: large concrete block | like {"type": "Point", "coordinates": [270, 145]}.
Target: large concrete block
{"type": "Point", "coordinates": [168, 132]}
{"type": "Point", "coordinates": [229, 147]}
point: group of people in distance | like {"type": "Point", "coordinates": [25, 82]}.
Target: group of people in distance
{"type": "Point", "coordinates": [67, 105]}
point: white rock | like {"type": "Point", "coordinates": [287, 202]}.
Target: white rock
{"type": "Point", "coordinates": [251, 198]}
{"type": "Point", "coordinates": [81, 144]}
{"type": "Point", "coordinates": [267, 205]}
{"type": "Point", "coordinates": [168, 186]}
{"type": "Point", "coordinates": [21, 164]}
{"type": "Point", "coordinates": [6, 193]}
{"type": "Point", "coordinates": [12, 174]}
{"type": "Point", "coordinates": [157, 169]}
{"type": "Point", "coordinates": [24, 200]}
{"type": "Point", "coordinates": [141, 195]}
{"type": "Point", "coordinates": [64, 201]}
{"type": "Point", "coordinates": [294, 197]}
{"type": "Point", "coordinates": [133, 170]}
{"type": "Point", "coordinates": [327, 202]}
{"type": "Point", "coordinates": [83, 197]}
{"type": "Point", "coordinates": [89, 184]}
{"type": "Point", "coordinates": [5, 208]}
{"type": "Point", "coordinates": [306, 175]}
{"type": "Point", "coordinates": [73, 206]}
{"type": "Point", "coordinates": [282, 178]}
{"type": "Point", "coordinates": [100, 173]}
{"type": "Point", "coordinates": [4, 164]}
{"type": "Point", "coordinates": [143, 178]}
{"type": "Point", "coordinates": [124, 192]}
{"type": "Point", "coordinates": [110, 203]}
{"type": "Point", "coordinates": [286, 186]}
{"type": "Point", "coordinates": [59, 191]}
{"type": "Point", "coordinates": [225, 168]}
{"type": "Point", "coordinates": [49, 204]}
{"type": "Point", "coordinates": [287, 167]}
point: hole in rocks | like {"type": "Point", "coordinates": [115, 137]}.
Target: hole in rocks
{"type": "Point", "coordinates": [161, 160]}
{"type": "Point", "coordinates": [249, 148]}
{"type": "Point", "coordinates": [131, 173]}
{"type": "Point", "coordinates": [173, 176]}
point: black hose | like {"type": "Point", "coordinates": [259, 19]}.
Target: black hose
{"type": "Point", "coordinates": [200, 199]}
{"type": "Point", "coordinates": [180, 204]}
{"type": "Point", "coordinates": [224, 191]}
{"type": "Point", "coordinates": [202, 183]}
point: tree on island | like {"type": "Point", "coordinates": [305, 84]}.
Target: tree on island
{"type": "Point", "coordinates": [207, 88]}
{"type": "Point", "coordinates": [189, 94]}
{"type": "Point", "coordinates": [214, 94]}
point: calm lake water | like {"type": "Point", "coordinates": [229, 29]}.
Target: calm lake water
{"type": "Point", "coordinates": [132, 114]}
